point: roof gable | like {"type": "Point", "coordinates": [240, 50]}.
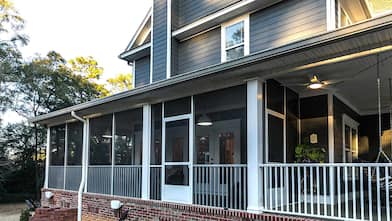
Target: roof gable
{"type": "Point", "coordinates": [143, 33]}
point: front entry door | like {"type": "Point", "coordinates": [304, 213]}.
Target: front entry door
{"type": "Point", "coordinates": [177, 146]}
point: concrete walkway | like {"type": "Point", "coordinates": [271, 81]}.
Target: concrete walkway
{"type": "Point", "coordinates": [11, 212]}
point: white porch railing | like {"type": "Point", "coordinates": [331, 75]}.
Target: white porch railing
{"type": "Point", "coordinates": [120, 180]}
{"type": "Point", "coordinates": [127, 180]}
{"type": "Point", "coordinates": [329, 191]}
{"type": "Point", "coordinates": [56, 177]}
{"type": "Point", "coordinates": [223, 185]}
{"type": "Point", "coordinates": [73, 175]}
{"type": "Point", "coordinates": [155, 182]}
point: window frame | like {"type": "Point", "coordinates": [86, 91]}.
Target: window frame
{"type": "Point", "coordinates": [245, 43]}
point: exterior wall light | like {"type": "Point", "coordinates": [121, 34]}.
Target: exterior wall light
{"type": "Point", "coordinates": [49, 195]}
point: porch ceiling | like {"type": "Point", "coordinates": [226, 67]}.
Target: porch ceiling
{"type": "Point", "coordinates": [290, 60]}
{"type": "Point", "coordinates": [359, 86]}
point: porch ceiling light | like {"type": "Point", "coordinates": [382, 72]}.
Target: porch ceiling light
{"type": "Point", "coordinates": [315, 86]}
{"type": "Point", "coordinates": [204, 120]}
{"type": "Point", "coordinates": [315, 83]}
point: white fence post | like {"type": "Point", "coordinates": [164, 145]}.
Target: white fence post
{"type": "Point", "coordinates": [255, 143]}
{"type": "Point", "coordinates": [146, 151]}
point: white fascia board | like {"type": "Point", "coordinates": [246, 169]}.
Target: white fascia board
{"type": "Point", "coordinates": [135, 50]}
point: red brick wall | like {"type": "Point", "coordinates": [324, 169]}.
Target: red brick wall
{"type": "Point", "coordinates": [57, 214]}
{"type": "Point", "coordinates": [96, 207]}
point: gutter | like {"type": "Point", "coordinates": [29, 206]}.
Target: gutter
{"type": "Point", "coordinates": [84, 164]}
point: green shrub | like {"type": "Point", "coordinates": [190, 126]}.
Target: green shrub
{"type": "Point", "coordinates": [305, 153]}
{"type": "Point", "coordinates": [25, 215]}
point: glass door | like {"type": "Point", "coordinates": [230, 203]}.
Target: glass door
{"type": "Point", "coordinates": [177, 167]}
{"type": "Point", "coordinates": [350, 139]}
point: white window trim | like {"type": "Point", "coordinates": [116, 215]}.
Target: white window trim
{"type": "Point", "coordinates": [330, 5]}
{"type": "Point", "coordinates": [245, 19]}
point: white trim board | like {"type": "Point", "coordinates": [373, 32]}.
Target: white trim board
{"type": "Point", "coordinates": [136, 50]}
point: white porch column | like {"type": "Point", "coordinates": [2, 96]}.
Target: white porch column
{"type": "Point", "coordinates": [255, 143]}
{"type": "Point", "coordinates": [47, 160]}
{"type": "Point", "coordinates": [146, 151]}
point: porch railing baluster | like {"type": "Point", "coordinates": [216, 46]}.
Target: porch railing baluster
{"type": "Point", "coordinates": [387, 196]}
{"type": "Point", "coordinates": [340, 184]}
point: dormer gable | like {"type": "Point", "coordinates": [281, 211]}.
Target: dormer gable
{"type": "Point", "coordinates": [143, 33]}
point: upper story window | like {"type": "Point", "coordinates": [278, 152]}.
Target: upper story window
{"type": "Point", "coordinates": [344, 18]}
{"type": "Point", "coordinates": [235, 38]}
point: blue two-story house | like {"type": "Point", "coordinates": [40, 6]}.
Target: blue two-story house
{"type": "Point", "coordinates": [242, 110]}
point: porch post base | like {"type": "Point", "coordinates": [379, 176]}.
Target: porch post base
{"type": "Point", "coordinates": [255, 210]}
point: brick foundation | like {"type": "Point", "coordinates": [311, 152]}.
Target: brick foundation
{"type": "Point", "coordinates": [57, 214]}
{"type": "Point", "coordinates": [96, 207]}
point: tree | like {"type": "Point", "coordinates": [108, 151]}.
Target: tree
{"type": "Point", "coordinates": [11, 25]}
{"type": "Point", "coordinates": [43, 85]}
{"type": "Point", "coordinates": [121, 82]}
{"type": "Point", "coordinates": [47, 84]}
{"type": "Point", "coordinates": [88, 70]}
{"type": "Point", "coordinates": [19, 141]}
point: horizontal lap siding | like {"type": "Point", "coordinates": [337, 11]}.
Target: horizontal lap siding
{"type": "Point", "coordinates": [286, 22]}
{"type": "Point", "coordinates": [199, 52]}
{"type": "Point", "coordinates": [142, 71]}
{"type": "Point", "coordinates": [190, 10]}
{"type": "Point", "coordinates": [159, 40]}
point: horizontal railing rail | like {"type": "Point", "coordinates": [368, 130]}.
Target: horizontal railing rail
{"type": "Point", "coordinates": [340, 191]}
{"type": "Point", "coordinates": [220, 185]}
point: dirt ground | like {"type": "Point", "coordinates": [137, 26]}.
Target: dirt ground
{"type": "Point", "coordinates": [11, 212]}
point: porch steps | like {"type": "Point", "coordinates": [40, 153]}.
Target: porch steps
{"type": "Point", "coordinates": [57, 214]}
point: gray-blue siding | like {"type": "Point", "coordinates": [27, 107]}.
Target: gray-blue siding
{"type": "Point", "coordinates": [199, 52]}
{"type": "Point", "coordinates": [159, 40]}
{"type": "Point", "coordinates": [190, 10]}
{"type": "Point", "coordinates": [285, 22]}
{"type": "Point", "coordinates": [142, 71]}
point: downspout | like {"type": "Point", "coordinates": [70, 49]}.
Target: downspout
{"type": "Point", "coordinates": [84, 157]}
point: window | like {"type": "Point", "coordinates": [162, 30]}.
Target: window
{"type": "Point", "coordinates": [235, 38]}
{"type": "Point", "coordinates": [156, 134]}
{"type": "Point", "coordinates": [75, 143]}
{"type": "Point", "coordinates": [178, 107]}
{"type": "Point", "coordinates": [57, 145]}
{"type": "Point", "coordinates": [101, 140]}
{"type": "Point", "coordinates": [220, 127]}
{"type": "Point", "coordinates": [128, 137]}
{"type": "Point", "coordinates": [344, 19]}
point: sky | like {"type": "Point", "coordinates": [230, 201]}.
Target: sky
{"type": "Point", "coordinates": [97, 28]}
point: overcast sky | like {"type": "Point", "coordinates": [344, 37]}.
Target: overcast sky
{"type": "Point", "coordinates": [97, 28]}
